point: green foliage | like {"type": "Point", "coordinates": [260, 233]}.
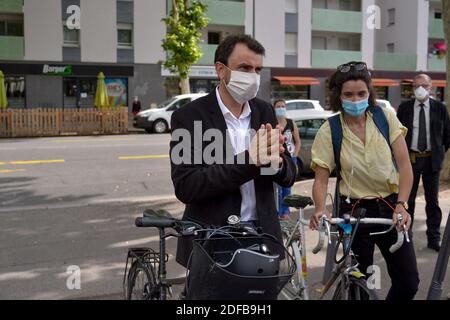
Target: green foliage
{"type": "Point", "coordinates": [181, 42]}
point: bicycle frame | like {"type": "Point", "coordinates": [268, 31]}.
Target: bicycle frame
{"type": "Point", "coordinates": [345, 268]}
{"type": "Point", "coordinates": [300, 256]}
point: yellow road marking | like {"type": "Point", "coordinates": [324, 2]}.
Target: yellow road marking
{"type": "Point", "coordinates": [36, 161]}
{"type": "Point", "coordinates": [2, 163]}
{"type": "Point", "coordinates": [81, 140]}
{"type": "Point", "coordinates": [144, 157]}
{"type": "Point", "coordinates": [11, 171]}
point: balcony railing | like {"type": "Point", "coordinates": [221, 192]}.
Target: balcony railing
{"type": "Point", "coordinates": [330, 59]}
{"type": "Point", "coordinates": [337, 20]}
{"type": "Point", "coordinates": [395, 61]}
{"type": "Point", "coordinates": [11, 48]}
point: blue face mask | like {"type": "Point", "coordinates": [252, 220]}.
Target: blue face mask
{"type": "Point", "coordinates": [355, 109]}
{"type": "Point", "coordinates": [280, 112]}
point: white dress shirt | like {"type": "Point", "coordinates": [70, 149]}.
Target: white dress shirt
{"type": "Point", "coordinates": [415, 132]}
{"type": "Point", "coordinates": [238, 133]}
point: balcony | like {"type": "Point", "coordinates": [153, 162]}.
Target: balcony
{"type": "Point", "coordinates": [436, 29]}
{"type": "Point", "coordinates": [436, 64]}
{"type": "Point", "coordinates": [208, 54]}
{"type": "Point", "coordinates": [11, 48]}
{"type": "Point", "coordinates": [337, 20]}
{"type": "Point", "coordinates": [395, 61]}
{"type": "Point", "coordinates": [11, 6]}
{"type": "Point", "coordinates": [228, 13]}
{"type": "Point", "coordinates": [330, 59]}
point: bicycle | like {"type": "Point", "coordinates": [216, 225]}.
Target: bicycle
{"type": "Point", "coordinates": [220, 253]}
{"type": "Point", "coordinates": [350, 282]}
{"type": "Point", "coordinates": [294, 241]}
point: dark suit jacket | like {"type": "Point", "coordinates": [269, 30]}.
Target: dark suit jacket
{"type": "Point", "coordinates": [211, 192]}
{"type": "Point", "coordinates": [439, 126]}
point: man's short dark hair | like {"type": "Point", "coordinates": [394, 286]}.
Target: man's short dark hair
{"type": "Point", "coordinates": [226, 47]}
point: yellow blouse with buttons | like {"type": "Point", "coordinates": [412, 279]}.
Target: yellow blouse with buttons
{"type": "Point", "coordinates": [374, 173]}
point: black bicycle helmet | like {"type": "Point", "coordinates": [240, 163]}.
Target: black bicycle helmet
{"type": "Point", "coordinates": [237, 268]}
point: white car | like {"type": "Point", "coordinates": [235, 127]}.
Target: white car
{"type": "Point", "coordinates": [386, 104]}
{"type": "Point", "coordinates": [295, 108]}
{"type": "Point", "coordinates": [308, 123]}
{"type": "Point", "coordinates": [158, 119]}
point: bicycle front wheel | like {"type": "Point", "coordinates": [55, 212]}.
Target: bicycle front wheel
{"type": "Point", "coordinates": [141, 282]}
{"type": "Point", "coordinates": [356, 289]}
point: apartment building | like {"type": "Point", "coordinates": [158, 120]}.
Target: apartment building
{"type": "Point", "coordinates": [50, 63]}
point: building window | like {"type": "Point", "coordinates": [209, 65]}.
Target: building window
{"type": "Point", "coordinates": [391, 17]}
{"type": "Point", "coordinates": [344, 44]}
{"type": "Point", "coordinates": [125, 35]}
{"type": "Point", "coordinates": [438, 15]}
{"type": "Point", "coordinates": [345, 5]}
{"type": "Point", "coordinates": [390, 47]}
{"type": "Point", "coordinates": [319, 43]}
{"type": "Point", "coordinates": [15, 91]}
{"type": "Point", "coordinates": [213, 37]}
{"type": "Point", "coordinates": [319, 4]}
{"type": "Point", "coordinates": [290, 44]}
{"type": "Point", "coordinates": [71, 36]}
{"type": "Point", "coordinates": [11, 28]}
{"type": "Point", "coordinates": [291, 6]}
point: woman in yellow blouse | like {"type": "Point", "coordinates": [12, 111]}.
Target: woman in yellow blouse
{"type": "Point", "coordinates": [368, 174]}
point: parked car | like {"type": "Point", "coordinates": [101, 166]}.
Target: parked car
{"type": "Point", "coordinates": [158, 119]}
{"type": "Point", "coordinates": [303, 104]}
{"type": "Point", "coordinates": [386, 104]}
{"type": "Point", "coordinates": [308, 123]}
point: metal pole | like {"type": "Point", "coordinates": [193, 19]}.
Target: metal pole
{"type": "Point", "coordinates": [435, 291]}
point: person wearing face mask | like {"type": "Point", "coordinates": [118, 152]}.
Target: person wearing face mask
{"type": "Point", "coordinates": [214, 191]}
{"type": "Point", "coordinates": [293, 145]}
{"type": "Point", "coordinates": [428, 140]}
{"type": "Point", "coordinates": [375, 173]}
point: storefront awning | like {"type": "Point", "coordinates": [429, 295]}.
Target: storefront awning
{"type": "Point", "coordinates": [436, 83]}
{"type": "Point", "coordinates": [439, 83]}
{"type": "Point", "coordinates": [298, 81]}
{"type": "Point", "coordinates": [379, 82]}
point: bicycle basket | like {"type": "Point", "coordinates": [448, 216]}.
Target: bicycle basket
{"type": "Point", "coordinates": [250, 267]}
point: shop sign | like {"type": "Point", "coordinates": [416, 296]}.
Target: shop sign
{"type": "Point", "coordinates": [57, 70]}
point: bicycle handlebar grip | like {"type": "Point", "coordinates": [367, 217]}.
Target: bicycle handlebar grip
{"type": "Point", "coordinates": [399, 243]}
{"type": "Point", "coordinates": [138, 222]}
{"type": "Point", "coordinates": [319, 245]}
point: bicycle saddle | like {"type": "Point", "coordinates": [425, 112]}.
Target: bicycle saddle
{"type": "Point", "coordinates": [297, 201]}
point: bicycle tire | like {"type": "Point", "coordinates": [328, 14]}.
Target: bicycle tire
{"type": "Point", "coordinates": [290, 290]}
{"type": "Point", "coordinates": [357, 291]}
{"type": "Point", "coordinates": [142, 283]}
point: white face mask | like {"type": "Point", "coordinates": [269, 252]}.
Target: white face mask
{"type": "Point", "coordinates": [243, 86]}
{"type": "Point", "coordinates": [421, 93]}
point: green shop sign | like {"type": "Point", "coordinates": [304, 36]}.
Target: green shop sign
{"type": "Point", "coordinates": [57, 70]}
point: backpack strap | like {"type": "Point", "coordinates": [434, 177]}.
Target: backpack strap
{"type": "Point", "coordinates": [336, 139]}
{"type": "Point", "coordinates": [379, 118]}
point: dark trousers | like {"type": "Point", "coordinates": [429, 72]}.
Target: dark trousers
{"type": "Point", "coordinates": [422, 167]}
{"type": "Point", "coordinates": [401, 265]}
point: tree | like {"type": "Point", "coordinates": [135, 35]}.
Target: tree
{"type": "Point", "coordinates": [446, 16]}
{"type": "Point", "coordinates": [181, 42]}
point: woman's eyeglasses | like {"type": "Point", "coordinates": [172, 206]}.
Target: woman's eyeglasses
{"type": "Point", "coordinates": [358, 66]}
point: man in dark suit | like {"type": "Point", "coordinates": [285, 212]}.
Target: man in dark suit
{"type": "Point", "coordinates": [428, 139]}
{"type": "Point", "coordinates": [214, 190]}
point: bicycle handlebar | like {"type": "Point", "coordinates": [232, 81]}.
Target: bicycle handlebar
{"type": "Point", "coordinates": [325, 223]}
{"type": "Point", "coordinates": [188, 228]}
